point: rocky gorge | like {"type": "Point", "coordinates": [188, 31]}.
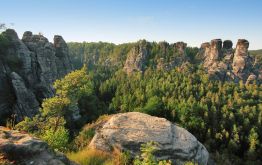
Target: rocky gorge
{"type": "Point", "coordinates": [213, 92]}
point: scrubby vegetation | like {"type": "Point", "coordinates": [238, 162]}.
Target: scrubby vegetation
{"type": "Point", "coordinates": [95, 157]}
{"type": "Point", "coordinates": [52, 123]}
{"type": "Point", "coordinates": [88, 156]}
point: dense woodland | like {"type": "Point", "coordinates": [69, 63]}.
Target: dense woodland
{"type": "Point", "coordinates": [225, 116]}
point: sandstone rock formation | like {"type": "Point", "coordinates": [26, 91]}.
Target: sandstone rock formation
{"type": "Point", "coordinates": [28, 67]}
{"type": "Point", "coordinates": [21, 148]}
{"type": "Point", "coordinates": [242, 62]}
{"type": "Point", "coordinates": [178, 58]}
{"type": "Point", "coordinates": [180, 48]}
{"type": "Point", "coordinates": [223, 63]}
{"type": "Point", "coordinates": [141, 53]}
{"type": "Point", "coordinates": [127, 131]}
{"type": "Point", "coordinates": [136, 58]}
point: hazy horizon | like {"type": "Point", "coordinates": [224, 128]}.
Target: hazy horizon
{"type": "Point", "coordinates": [193, 22]}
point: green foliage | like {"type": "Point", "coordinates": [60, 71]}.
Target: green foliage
{"type": "Point", "coordinates": [57, 139]}
{"type": "Point", "coordinates": [94, 55]}
{"type": "Point", "coordinates": [29, 125]}
{"type": "Point", "coordinates": [55, 106]}
{"type": "Point", "coordinates": [225, 116]}
{"type": "Point", "coordinates": [253, 140]}
{"type": "Point", "coordinates": [74, 85]}
{"type": "Point", "coordinates": [84, 138]}
{"type": "Point", "coordinates": [147, 150]}
{"type": "Point", "coordinates": [153, 106]}
{"type": "Point", "coordinates": [87, 132]}
{"type": "Point", "coordinates": [88, 156]}
{"type": "Point", "coordinates": [56, 112]}
{"type": "Point", "coordinates": [219, 114]}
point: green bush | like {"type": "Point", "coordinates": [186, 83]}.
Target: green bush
{"type": "Point", "coordinates": [153, 106]}
{"type": "Point", "coordinates": [83, 138]}
{"type": "Point", "coordinates": [57, 139]}
{"type": "Point", "coordinates": [147, 150]}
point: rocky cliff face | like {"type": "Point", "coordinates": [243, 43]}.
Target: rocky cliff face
{"type": "Point", "coordinates": [223, 63]}
{"type": "Point", "coordinates": [28, 67]}
{"type": "Point", "coordinates": [137, 57]}
{"type": "Point", "coordinates": [179, 56]}
{"type": "Point", "coordinates": [128, 131]}
{"type": "Point", "coordinates": [21, 148]}
{"type": "Point", "coordinates": [142, 52]}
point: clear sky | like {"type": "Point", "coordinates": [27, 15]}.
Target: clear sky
{"type": "Point", "coordinates": [119, 21]}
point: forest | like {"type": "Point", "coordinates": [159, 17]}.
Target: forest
{"type": "Point", "coordinates": [130, 82]}
{"type": "Point", "coordinates": [223, 115]}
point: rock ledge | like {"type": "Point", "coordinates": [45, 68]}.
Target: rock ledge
{"type": "Point", "coordinates": [21, 148]}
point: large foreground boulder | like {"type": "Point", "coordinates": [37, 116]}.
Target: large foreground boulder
{"type": "Point", "coordinates": [21, 148]}
{"type": "Point", "coordinates": [127, 131]}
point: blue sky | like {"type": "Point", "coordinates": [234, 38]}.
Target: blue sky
{"type": "Point", "coordinates": [119, 21]}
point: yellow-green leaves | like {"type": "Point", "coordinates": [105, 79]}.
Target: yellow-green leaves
{"type": "Point", "coordinates": [74, 85]}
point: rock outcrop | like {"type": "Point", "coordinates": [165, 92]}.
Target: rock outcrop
{"type": "Point", "coordinates": [178, 58]}
{"type": "Point", "coordinates": [223, 63]}
{"type": "Point", "coordinates": [28, 67]}
{"type": "Point", "coordinates": [137, 57]}
{"type": "Point", "coordinates": [127, 131]}
{"type": "Point", "coordinates": [180, 48]}
{"type": "Point", "coordinates": [242, 62]}
{"type": "Point", "coordinates": [21, 148]}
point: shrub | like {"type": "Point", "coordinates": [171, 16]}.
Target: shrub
{"type": "Point", "coordinates": [57, 139]}
{"type": "Point", "coordinates": [84, 138]}
{"type": "Point", "coordinates": [28, 125]}
{"type": "Point", "coordinates": [148, 158]}
{"type": "Point", "coordinates": [87, 133]}
{"type": "Point", "coordinates": [153, 106]}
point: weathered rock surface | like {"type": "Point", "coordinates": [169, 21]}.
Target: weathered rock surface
{"type": "Point", "coordinates": [222, 63]}
{"type": "Point", "coordinates": [127, 131]}
{"type": "Point", "coordinates": [242, 62]}
{"type": "Point", "coordinates": [141, 53]}
{"type": "Point", "coordinates": [179, 56]}
{"type": "Point", "coordinates": [28, 67]}
{"type": "Point", "coordinates": [137, 57]}
{"type": "Point", "coordinates": [21, 148]}
{"type": "Point", "coordinates": [180, 48]}
{"type": "Point", "coordinates": [26, 103]}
